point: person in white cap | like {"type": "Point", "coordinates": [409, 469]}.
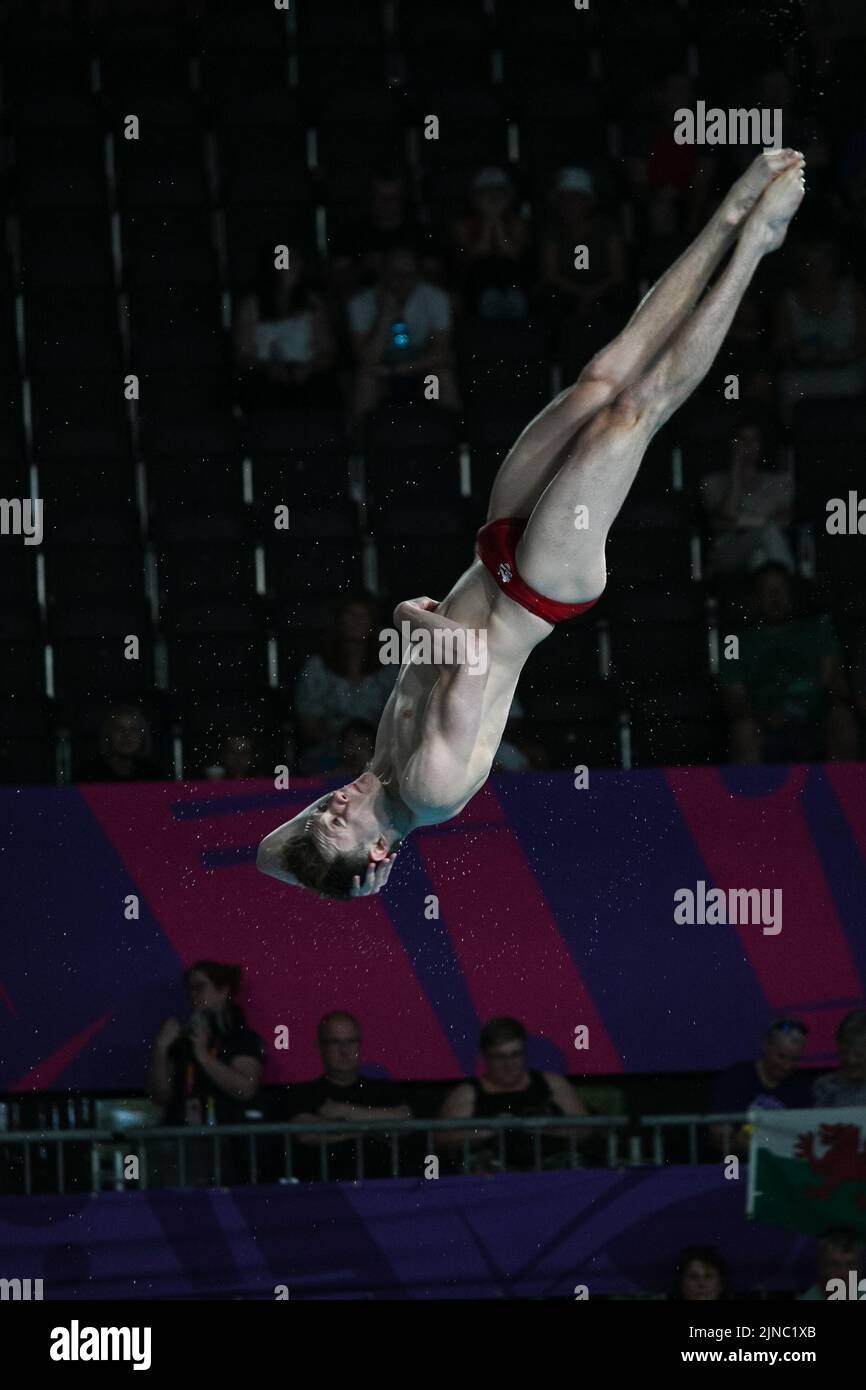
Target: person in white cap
{"type": "Point", "coordinates": [491, 242]}
{"type": "Point", "coordinates": [589, 288]}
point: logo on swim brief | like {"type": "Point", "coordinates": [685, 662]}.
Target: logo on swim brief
{"type": "Point", "coordinates": [504, 573]}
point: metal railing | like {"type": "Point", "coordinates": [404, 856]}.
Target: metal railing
{"type": "Point", "coordinates": [117, 1145]}
{"type": "Point", "coordinates": [482, 1142]}
{"type": "Point", "coordinates": [658, 1124]}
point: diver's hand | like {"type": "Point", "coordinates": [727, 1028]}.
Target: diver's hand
{"type": "Point", "coordinates": [375, 878]}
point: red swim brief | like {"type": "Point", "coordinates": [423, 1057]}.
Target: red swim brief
{"type": "Point", "coordinates": [496, 544]}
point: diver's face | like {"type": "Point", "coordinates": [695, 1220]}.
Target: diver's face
{"type": "Point", "coordinates": [349, 819]}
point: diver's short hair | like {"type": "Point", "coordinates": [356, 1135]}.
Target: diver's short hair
{"type": "Point", "coordinates": [330, 878]}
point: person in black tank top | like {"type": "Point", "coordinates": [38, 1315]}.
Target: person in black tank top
{"type": "Point", "coordinates": [508, 1087]}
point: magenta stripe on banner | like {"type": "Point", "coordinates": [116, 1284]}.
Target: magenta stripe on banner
{"type": "Point", "coordinates": [211, 911]}
{"type": "Point", "coordinates": [765, 842]}
{"type": "Point", "coordinates": [511, 951]}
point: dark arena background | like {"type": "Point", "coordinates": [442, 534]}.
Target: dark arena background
{"type": "Point", "coordinates": [281, 285]}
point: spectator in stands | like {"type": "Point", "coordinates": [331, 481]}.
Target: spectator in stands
{"type": "Point", "coordinates": [840, 1251]}
{"type": "Point", "coordinates": [491, 242]}
{"type": "Point", "coordinates": [239, 757]}
{"type": "Point", "coordinates": [508, 1087]}
{"type": "Point", "coordinates": [701, 1276]}
{"type": "Point", "coordinates": [776, 92]}
{"type": "Point", "coordinates": [821, 329]}
{"type": "Point", "coordinates": [125, 749]}
{"type": "Point", "coordinates": [357, 746]}
{"type": "Point", "coordinates": [748, 506]}
{"type": "Point", "coordinates": [847, 1085]}
{"type": "Point", "coordinates": [785, 695]}
{"type": "Point", "coordinates": [344, 680]}
{"type": "Point", "coordinates": [678, 178]}
{"type": "Point", "coordinates": [209, 1070]}
{"type": "Point", "coordinates": [401, 333]}
{"type": "Point", "coordinates": [343, 1093]}
{"type": "Point", "coordinates": [747, 353]}
{"type": "Point", "coordinates": [597, 290]}
{"type": "Point", "coordinates": [770, 1082]}
{"type": "Point", "coordinates": [388, 223]}
{"type": "Point", "coordinates": [283, 340]}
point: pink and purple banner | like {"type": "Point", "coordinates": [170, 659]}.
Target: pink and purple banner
{"type": "Point", "coordinates": [532, 1235]}
{"type": "Point", "coordinates": [554, 904]}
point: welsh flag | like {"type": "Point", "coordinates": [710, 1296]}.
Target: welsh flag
{"type": "Point", "coordinates": [807, 1168]}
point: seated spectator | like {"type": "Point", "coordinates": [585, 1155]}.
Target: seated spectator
{"type": "Point", "coordinates": [357, 746]}
{"type": "Point", "coordinates": [747, 354]}
{"type": "Point", "coordinates": [344, 680]}
{"type": "Point", "coordinates": [210, 1069]}
{"type": "Point", "coordinates": [748, 507]}
{"type": "Point", "coordinates": [343, 1093]}
{"type": "Point", "coordinates": [576, 221]}
{"type": "Point", "coordinates": [125, 749]}
{"type": "Point", "coordinates": [676, 179]}
{"type": "Point", "coordinates": [360, 246]}
{"type": "Point", "coordinates": [821, 329]}
{"type": "Point", "coordinates": [847, 1085]}
{"type": "Point", "coordinates": [401, 333]}
{"type": "Point", "coordinates": [786, 695]}
{"type": "Point", "coordinates": [283, 340]}
{"type": "Point", "coordinates": [840, 1251]}
{"type": "Point", "coordinates": [491, 242]}
{"type": "Point", "coordinates": [770, 1082]}
{"type": "Point", "coordinates": [701, 1276]}
{"type": "Point", "coordinates": [239, 757]}
{"type": "Point", "coordinates": [508, 1087]}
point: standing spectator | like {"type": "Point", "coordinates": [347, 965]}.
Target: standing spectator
{"type": "Point", "coordinates": [770, 1082]}
{"type": "Point", "coordinates": [344, 680]}
{"type": "Point", "coordinates": [212, 1068]}
{"type": "Point", "coordinates": [507, 1087]}
{"type": "Point", "coordinates": [748, 507]}
{"type": "Point", "coordinates": [491, 242]}
{"type": "Point", "coordinates": [847, 1086]}
{"type": "Point", "coordinates": [401, 333]}
{"type": "Point", "coordinates": [125, 749]}
{"type": "Point", "coordinates": [205, 1072]}
{"type": "Point", "coordinates": [283, 341]}
{"type": "Point", "coordinates": [821, 329]}
{"type": "Point", "coordinates": [343, 1093]}
{"type": "Point", "coordinates": [785, 695]}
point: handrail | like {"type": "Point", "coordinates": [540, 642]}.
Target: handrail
{"type": "Point", "coordinates": [141, 1137]}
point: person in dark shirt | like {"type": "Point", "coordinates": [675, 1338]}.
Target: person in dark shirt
{"type": "Point", "coordinates": [769, 1082]}
{"type": "Point", "coordinates": [124, 753]}
{"type": "Point", "coordinates": [507, 1087]}
{"type": "Point", "coordinates": [210, 1070]}
{"type": "Point", "coordinates": [342, 1093]}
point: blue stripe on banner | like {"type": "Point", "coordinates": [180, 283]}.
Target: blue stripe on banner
{"type": "Point", "coordinates": [612, 896]}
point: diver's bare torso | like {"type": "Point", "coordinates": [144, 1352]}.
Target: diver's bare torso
{"type": "Point", "coordinates": [436, 775]}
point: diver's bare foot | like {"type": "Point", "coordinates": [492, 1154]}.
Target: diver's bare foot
{"type": "Point", "coordinates": [745, 193]}
{"type": "Point", "coordinates": [771, 217]}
